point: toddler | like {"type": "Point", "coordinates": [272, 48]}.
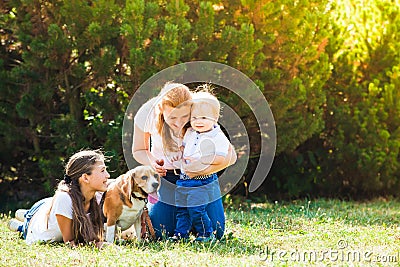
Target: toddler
{"type": "Point", "coordinates": [204, 144]}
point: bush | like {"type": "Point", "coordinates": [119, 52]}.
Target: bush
{"type": "Point", "coordinates": [330, 72]}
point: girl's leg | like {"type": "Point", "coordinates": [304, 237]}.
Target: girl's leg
{"type": "Point", "coordinates": [29, 215]}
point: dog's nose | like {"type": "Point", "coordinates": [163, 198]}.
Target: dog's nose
{"type": "Point", "coordinates": [155, 185]}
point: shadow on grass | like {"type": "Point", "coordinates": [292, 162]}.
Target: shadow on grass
{"type": "Point", "coordinates": [284, 215]}
{"type": "Point", "coordinates": [228, 245]}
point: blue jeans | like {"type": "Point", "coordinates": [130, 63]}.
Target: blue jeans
{"type": "Point", "coordinates": [163, 213]}
{"type": "Point", "coordinates": [29, 214]}
{"type": "Point", "coordinates": [191, 198]}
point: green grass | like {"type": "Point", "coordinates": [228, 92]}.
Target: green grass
{"type": "Point", "coordinates": [298, 233]}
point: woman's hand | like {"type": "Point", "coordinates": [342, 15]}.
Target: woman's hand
{"type": "Point", "coordinates": [197, 168]}
{"type": "Point", "coordinates": [158, 166]}
{"type": "Point", "coordinates": [194, 168]}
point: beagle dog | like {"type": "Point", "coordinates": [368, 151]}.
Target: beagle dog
{"type": "Point", "coordinates": [125, 200]}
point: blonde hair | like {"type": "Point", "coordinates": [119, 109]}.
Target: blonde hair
{"type": "Point", "coordinates": [206, 103]}
{"type": "Point", "coordinates": [174, 95]}
{"type": "Point", "coordinates": [89, 228]}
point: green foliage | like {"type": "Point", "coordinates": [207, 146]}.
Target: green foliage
{"type": "Point", "coordinates": [357, 150]}
{"type": "Point", "coordinates": [329, 70]}
{"type": "Point", "coordinates": [363, 105]}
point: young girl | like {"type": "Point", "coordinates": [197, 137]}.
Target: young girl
{"type": "Point", "coordinates": [162, 120]}
{"type": "Point", "coordinates": [72, 215]}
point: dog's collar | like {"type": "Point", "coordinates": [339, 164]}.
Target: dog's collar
{"type": "Point", "coordinates": [138, 197]}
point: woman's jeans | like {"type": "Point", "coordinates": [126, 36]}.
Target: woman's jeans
{"type": "Point", "coordinates": [163, 213]}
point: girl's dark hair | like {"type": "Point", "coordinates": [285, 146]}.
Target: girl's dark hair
{"type": "Point", "coordinates": [86, 227]}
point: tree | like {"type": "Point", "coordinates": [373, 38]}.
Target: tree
{"type": "Point", "coordinates": [69, 68]}
{"type": "Point", "coordinates": [362, 115]}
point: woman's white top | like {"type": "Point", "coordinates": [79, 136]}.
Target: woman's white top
{"type": "Point", "coordinates": [146, 119]}
{"type": "Point", "coordinates": [44, 227]}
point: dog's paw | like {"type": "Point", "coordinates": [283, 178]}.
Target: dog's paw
{"type": "Point", "coordinates": [128, 235]}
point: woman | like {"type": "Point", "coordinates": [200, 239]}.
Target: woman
{"type": "Point", "coordinates": [72, 215]}
{"type": "Point", "coordinates": [159, 127]}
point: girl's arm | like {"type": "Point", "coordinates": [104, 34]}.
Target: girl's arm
{"type": "Point", "coordinates": [141, 150]}
{"type": "Point", "coordinates": [65, 225]}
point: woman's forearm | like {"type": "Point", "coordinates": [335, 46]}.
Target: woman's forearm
{"type": "Point", "coordinates": [144, 157]}
{"type": "Point", "coordinates": [202, 169]}
{"type": "Point", "coordinates": [141, 147]}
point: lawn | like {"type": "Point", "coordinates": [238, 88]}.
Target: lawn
{"type": "Point", "coordinates": [298, 233]}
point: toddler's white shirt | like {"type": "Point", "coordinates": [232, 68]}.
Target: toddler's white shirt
{"type": "Point", "coordinates": [213, 142]}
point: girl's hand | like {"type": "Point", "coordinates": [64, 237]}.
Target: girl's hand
{"type": "Point", "coordinates": [158, 166]}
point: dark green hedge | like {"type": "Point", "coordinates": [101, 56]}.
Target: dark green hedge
{"type": "Point", "coordinates": [330, 71]}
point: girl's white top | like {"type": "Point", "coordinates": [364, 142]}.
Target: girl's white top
{"type": "Point", "coordinates": [39, 228]}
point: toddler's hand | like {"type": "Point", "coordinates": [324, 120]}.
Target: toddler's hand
{"type": "Point", "coordinates": [177, 157]}
{"type": "Point", "coordinates": [188, 160]}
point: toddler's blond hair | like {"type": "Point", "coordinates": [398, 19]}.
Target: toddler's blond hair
{"type": "Point", "coordinates": [207, 103]}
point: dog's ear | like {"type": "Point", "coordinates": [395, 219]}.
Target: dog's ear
{"type": "Point", "coordinates": [134, 186]}
{"type": "Point", "coordinates": [127, 190]}
{"type": "Point", "coordinates": [136, 189]}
